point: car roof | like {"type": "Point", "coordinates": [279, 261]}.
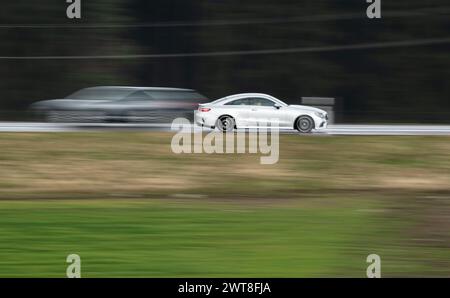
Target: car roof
{"type": "Point", "coordinates": [140, 88]}
{"type": "Point", "coordinates": [229, 98]}
{"type": "Point", "coordinates": [248, 95]}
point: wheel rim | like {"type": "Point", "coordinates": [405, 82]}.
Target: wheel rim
{"type": "Point", "coordinates": [304, 124]}
{"type": "Point", "coordinates": [226, 123]}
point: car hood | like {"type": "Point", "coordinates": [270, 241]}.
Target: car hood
{"type": "Point", "coordinates": [307, 108]}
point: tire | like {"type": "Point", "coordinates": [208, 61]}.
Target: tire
{"type": "Point", "coordinates": [304, 124]}
{"type": "Point", "coordinates": [225, 123]}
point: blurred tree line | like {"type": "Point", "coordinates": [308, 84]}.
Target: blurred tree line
{"type": "Point", "coordinates": [407, 83]}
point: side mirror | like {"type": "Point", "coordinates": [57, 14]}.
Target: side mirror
{"type": "Point", "coordinates": [277, 106]}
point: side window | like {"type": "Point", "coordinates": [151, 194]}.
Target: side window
{"type": "Point", "coordinates": [239, 102]}
{"type": "Point", "coordinates": [259, 101]}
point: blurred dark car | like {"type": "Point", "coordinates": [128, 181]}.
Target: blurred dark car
{"type": "Point", "coordinates": [130, 104]}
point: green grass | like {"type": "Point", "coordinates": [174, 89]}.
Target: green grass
{"type": "Point", "coordinates": [131, 208]}
{"type": "Point", "coordinates": [183, 238]}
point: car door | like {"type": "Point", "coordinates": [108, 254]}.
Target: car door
{"type": "Point", "coordinates": [240, 110]}
{"type": "Point", "coordinates": [263, 113]}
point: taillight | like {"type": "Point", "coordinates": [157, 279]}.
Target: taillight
{"type": "Point", "coordinates": [204, 109]}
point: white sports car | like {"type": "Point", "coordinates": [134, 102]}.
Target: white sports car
{"type": "Point", "coordinates": [253, 110]}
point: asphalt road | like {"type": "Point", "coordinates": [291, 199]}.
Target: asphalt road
{"type": "Point", "coordinates": [338, 129]}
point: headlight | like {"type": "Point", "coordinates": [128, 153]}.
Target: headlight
{"type": "Point", "coordinates": [320, 115]}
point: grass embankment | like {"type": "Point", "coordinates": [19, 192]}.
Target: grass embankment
{"type": "Point", "coordinates": [130, 207]}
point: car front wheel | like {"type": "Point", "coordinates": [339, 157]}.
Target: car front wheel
{"type": "Point", "coordinates": [304, 124]}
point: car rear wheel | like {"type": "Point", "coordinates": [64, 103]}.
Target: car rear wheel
{"type": "Point", "coordinates": [304, 124]}
{"type": "Point", "coordinates": [225, 123]}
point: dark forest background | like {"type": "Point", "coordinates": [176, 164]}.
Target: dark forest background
{"type": "Point", "coordinates": [393, 84]}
